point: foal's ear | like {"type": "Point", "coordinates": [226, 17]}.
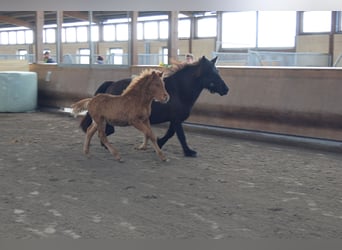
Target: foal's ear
{"type": "Point", "coordinates": [161, 74]}
{"type": "Point", "coordinates": [153, 74]}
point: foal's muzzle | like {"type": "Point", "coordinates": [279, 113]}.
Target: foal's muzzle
{"type": "Point", "coordinates": [166, 99]}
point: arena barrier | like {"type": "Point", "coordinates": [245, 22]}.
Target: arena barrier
{"type": "Point", "coordinates": [296, 101]}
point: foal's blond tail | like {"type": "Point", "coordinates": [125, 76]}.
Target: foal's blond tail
{"type": "Point", "coordinates": [80, 106]}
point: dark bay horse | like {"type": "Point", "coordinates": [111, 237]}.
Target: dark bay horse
{"type": "Point", "coordinates": [131, 108]}
{"type": "Point", "coordinates": [184, 87]}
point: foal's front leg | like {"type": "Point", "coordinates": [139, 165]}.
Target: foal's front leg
{"type": "Point", "coordinates": [148, 134]}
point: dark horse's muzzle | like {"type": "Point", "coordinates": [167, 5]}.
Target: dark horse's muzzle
{"type": "Point", "coordinates": [224, 90]}
{"type": "Point", "coordinates": [221, 88]}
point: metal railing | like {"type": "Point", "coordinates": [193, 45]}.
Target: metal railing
{"type": "Point", "coordinates": [338, 62]}
{"type": "Point", "coordinates": [28, 57]}
{"type": "Point", "coordinates": [268, 58]}
{"type": "Point", "coordinates": [252, 58]}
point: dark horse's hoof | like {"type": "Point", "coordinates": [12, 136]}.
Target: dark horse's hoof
{"type": "Point", "coordinates": [190, 153]}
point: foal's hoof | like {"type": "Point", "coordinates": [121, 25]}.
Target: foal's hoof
{"type": "Point", "coordinates": [190, 153]}
{"type": "Point", "coordinates": [120, 160]}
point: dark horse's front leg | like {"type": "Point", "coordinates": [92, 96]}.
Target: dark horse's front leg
{"type": "Point", "coordinates": [176, 127]}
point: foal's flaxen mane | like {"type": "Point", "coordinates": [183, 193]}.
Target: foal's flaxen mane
{"type": "Point", "coordinates": [138, 79]}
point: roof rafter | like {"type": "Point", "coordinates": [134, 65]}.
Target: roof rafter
{"type": "Point", "coordinates": [15, 21]}
{"type": "Point", "coordinates": [80, 15]}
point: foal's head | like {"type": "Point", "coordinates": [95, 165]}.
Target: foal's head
{"type": "Point", "coordinates": [153, 85]}
{"type": "Point", "coordinates": [156, 87]}
{"type": "Point", "coordinates": [150, 85]}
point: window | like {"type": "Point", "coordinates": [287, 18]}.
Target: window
{"type": "Point", "coordinates": [12, 37]}
{"type": "Point", "coordinates": [151, 30]}
{"type": "Point", "coordinates": [140, 31]}
{"type": "Point", "coordinates": [82, 34]}
{"type": "Point", "coordinates": [21, 37]}
{"type": "Point", "coordinates": [84, 56]}
{"type": "Point", "coordinates": [109, 32]}
{"type": "Point", "coordinates": [29, 36]}
{"type": "Point", "coordinates": [316, 21]}
{"type": "Point", "coordinates": [276, 28]}
{"type": "Point", "coordinates": [49, 36]}
{"type": "Point", "coordinates": [184, 28]}
{"type": "Point", "coordinates": [70, 35]}
{"type": "Point", "coordinates": [239, 29]}
{"type": "Point", "coordinates": [94, 33]}
{"type": "Point", "coordinates": [163, 30]}
{"type": "Point", "coordinates": [122, 32]}
{"type": "Point", "coordinates": [206, 27]}
{"type": "Point", "coordinates": [339, 21]}
{"type": "Point", "coordinates": [22, 54]}
{"type": "Point", "coordinates": [165, 53]}
{"type": "Point", "coordinates": [116, 56]}
{"type": "Point", "coordinates": [4, 38]}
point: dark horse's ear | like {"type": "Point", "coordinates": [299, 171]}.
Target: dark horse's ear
{"type": "Point", "coordinates": [201, 64]}
{"type": "Point", "coordinates": [214, 60]}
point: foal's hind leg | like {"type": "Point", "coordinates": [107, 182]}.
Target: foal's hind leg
{"type": "Point", "coordinates": [89, 134]}
{"type": "Point", "coordinates": [143, 145]}
{"type": "Point", "coordinates": [104, 140]}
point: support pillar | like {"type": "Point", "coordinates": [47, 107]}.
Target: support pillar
{"type": "Point", "coordinates": [38, 35]}
{"type": "Point", "coordinates": [173, 36]}
{"type": "Point", "coordinates": [134, 38]}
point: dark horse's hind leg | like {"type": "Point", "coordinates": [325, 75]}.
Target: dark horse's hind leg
{"type": "Point", "coordinates": [178, 128]}
{"type": "Point", "coordinates": [109, 130]}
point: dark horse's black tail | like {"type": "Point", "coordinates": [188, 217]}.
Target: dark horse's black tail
{"type": "Point", "coordinates": [86, 121]}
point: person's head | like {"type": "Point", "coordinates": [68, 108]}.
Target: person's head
{"type": "Point", "coordinates": [46, 55]}
{"type": "Point", "coordinates": [189, 58]}
{"type": "Point", "coordinates": [99, 60]}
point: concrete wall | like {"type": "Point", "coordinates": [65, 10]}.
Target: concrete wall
{"type": "Point", "coordinates": [297, 101]}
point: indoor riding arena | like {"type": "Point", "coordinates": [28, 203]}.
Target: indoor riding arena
{"type": "Point", "coordinates": [267, 161]}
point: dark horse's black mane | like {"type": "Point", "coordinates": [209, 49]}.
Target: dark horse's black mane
{"type": "Point", "coordinates": [184, 83]}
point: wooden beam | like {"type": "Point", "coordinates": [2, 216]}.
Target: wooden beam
{"type": "Point", "coordinates": [38, 32]}
{"type": "Point", "coordinates": [80, 15]}
{"type": "Point", "coordinates": [173, 36]}
{"type": "Point", "coordinates": [15, 21]}
{"type": "Point", "coordinates": [134, 40]}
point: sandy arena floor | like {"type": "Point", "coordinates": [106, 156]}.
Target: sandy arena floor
{"type": "Point", "coordinates": [233, 189]}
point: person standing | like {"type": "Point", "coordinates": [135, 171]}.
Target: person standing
{"type": "Point", "coordinates": [99, 60]}
{"type": "Point", "coordinates": [189, 58]}
{"type": "Point", "coordinates": [47, 58]}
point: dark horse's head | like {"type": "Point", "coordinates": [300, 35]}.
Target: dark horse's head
{"type": "Point", "coordinates": [210, 77]}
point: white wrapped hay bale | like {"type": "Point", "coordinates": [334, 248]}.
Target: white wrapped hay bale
{"type": "Point", "coordinates": [18, 91]}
